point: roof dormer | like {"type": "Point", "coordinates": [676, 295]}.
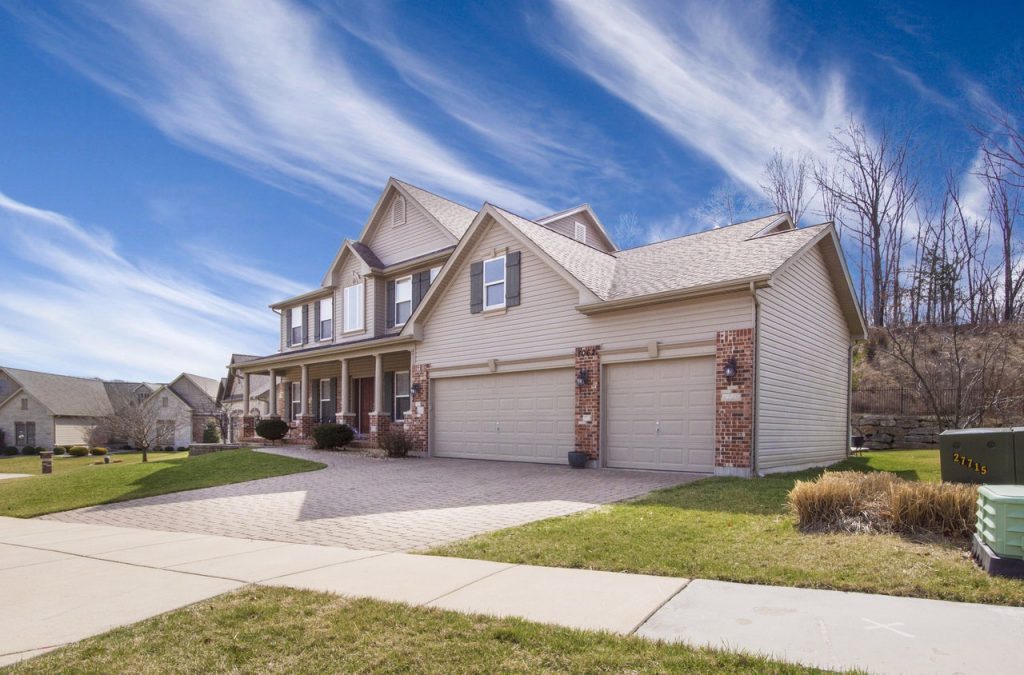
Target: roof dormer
{"type": "Point", "coordinates": [580, 223]}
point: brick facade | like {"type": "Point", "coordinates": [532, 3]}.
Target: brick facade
{"type": "Point", "coordinates": [734, 403]}
{"type": "Point", "coordinates": [346, 418]}
{"type": "Point", "coordinates": [417, 420]}
{"type": "Point", "coordinates": [248, 427]}
{"type": "Point", "coordinates": [378, 423]}
{"type": "Point", "coordinates": [304, 426]}
{"type": "Point", "coordinates": [588, 401]}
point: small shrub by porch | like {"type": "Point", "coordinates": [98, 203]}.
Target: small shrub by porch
{"type": "Point", "coordinates": [332, 436]}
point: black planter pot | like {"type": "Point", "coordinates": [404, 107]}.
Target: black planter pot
{"type": "Point", "coordinates": [858, 441]}
{"type": "Point", "coordinates": [577, 460]}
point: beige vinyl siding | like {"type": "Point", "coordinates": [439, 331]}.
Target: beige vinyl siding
{"type": "Point", "coordinates": [567, 226]}
{"type": "Point", "coordinates": [802, 376]}
{"type": "Point", "coordinates": [36, 412]}
{"type": "Point", "coordinates": [547, 323]}
{"type": "Point", "coordinates": [417, 236]}
{"type": "Point", "coordinates": [72, 430]}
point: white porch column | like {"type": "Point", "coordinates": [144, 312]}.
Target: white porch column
{"type": "Point", "coordinates": [344, 388]}
{"type": "Point", "coordinates": [304, 407]}
{"type": "Point", "coordinates": [246, 393]}
{"type": "Point", "coordinates": [273, 393]}
{"type": "Point", "coordinates": [378, 385]}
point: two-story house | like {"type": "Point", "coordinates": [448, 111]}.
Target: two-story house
{"type": "Point", "coordinates": [493, 336]}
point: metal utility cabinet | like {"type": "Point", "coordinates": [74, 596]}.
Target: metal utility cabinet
{"type": "Point", "coordinates": [994, 456]}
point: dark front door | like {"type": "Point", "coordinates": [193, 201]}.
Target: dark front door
{"type": "Point", "coordinates": [363, 397]}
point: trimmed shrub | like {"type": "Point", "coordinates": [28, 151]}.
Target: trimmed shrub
{"type": "Point", "coordinates": [98, 451]}
{"type": "Point", "coordinates": [332, 436]}
{"type": "Point", "coordinates": [181, 449]}
{"type": "Point", "coordinates": [78, 451]}
{"type": "Point", "coordinates": [30, 450]}
{"type": "Point", "coordinates": [272, 429]}
{"type": "Point", "coordinates": [211, 434]}
{"type": "Point", "coordinates": [851, 501]}
{"type": "Point", "coordinates": [168, 448]}
{"type": "Point", "coordinates": [395, 441]}
{"type": "Point", "coordinates": [10, 450]}
{"type": "Point", "coordinates": [59, 450]}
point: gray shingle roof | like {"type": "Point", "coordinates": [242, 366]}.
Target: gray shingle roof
{"type": "Point", "coordinates": [454, 217]}
{"type": "Point", "coordinates": [65, 395]}
{"type": "Point", "coordinates": [705, 258]}
{"type": "Point", "coordinates": [368, 256]}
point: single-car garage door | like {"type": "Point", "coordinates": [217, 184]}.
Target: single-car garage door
{"type": "Point", "coordinates": [72, 431]}
{"type": "Point", "coordinates": [661, 414]}
{"type": "Point", "coordinates": [518, 417]}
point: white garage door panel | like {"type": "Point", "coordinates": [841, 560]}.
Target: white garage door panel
{"type": "Point", "coordinates": [71, 433]}
{"type": "Point", "coordinates": [522, 417]}
{"type": "Point", "coordinates": [661, 414]}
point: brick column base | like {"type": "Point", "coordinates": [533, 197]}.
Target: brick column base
{"type": "Point", "coordinates": [304, 426]}
{"type": "Point", "coordinates": [346, 418]}
{"type": "Point", "coordinates": [734, 403]}
{"type": "Point", "coordinates": [248, 427]}
{"type": "Point", "coordinates": [417, 420]}
{"type": "Point", "coordinates": [378, 423]}
{"type": "Point", "coordinates": [588, 401]}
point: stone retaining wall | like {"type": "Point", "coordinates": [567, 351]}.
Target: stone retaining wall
{"type": "Point", "coordinates": [197, 449]}
{"type": "Point", "coordinates": [882, 432]}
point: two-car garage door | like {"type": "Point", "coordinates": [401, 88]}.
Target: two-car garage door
{"type": "Point", "coordinates": [657, 415]}
{"type": "Point", "coordinates": [525, 417]}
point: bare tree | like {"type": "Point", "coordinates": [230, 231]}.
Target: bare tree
{"type": "Point", "coordinates": [727, 204]}
{"type": "Point", "coordinates": [871, 182]}
{"type": "Point", "coordinates": [1004, 203]}
{"type": "Point", "coordinates": [142, 422]}
{"type": "Point", "coordinates": [787, 183]}
{"type": "Point", "coordinates": [628, 232]}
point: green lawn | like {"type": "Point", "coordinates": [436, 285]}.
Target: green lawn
{"type": "Point", "coordinates": [78, 482]}
{"type": "Point", "coordinates": [264, 630]}
{"type": "Point", "coordinates": [740, 530]}
{"type": "Point", "coordinates": [64, 463]}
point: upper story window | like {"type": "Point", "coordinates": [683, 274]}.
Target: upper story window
{"type": "Point", "coordinates": [580, 232]}
{"type": "Point", "coordinates": [164, 402]}
{"type": "Point", "coordinates": [494, 282]}
{"type": "Point", "coordinates": [403, 300]}
{"type": "Point", "coordinates": [326, 318]}
{"type": "Point", "coordinates": [295, 321]}
{"type": "Point", "coordinates": [354, 308]}
{"type": "Point", "coordinates": [398, 211]}
{"type": "Point", "coordinates": [24, 404]}
{"type": "Point", "coordinates": [434, 271]}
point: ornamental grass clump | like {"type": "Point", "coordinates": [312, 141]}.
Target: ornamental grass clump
{"type": "Point", "coordinates": [852, 501]}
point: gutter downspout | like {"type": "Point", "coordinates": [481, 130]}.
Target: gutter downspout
{"type": "Point", "coordinates": [849, 395]}
{"type": "Point", "coordinates": [753, 402]}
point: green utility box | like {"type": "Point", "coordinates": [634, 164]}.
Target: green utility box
{"type": "Point", "coordinates": [1001, 519]}
{"type": "Point", "coordinates": [981, 456]}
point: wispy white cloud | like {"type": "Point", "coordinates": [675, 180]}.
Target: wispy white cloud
{"type": "Point", "coordinates": [74, 303]}
{"type": "Point", "coordinates": [261, 84]}
{"type": "Point", "coordinates": [709, 74]}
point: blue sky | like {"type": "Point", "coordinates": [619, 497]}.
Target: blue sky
{"type": "Point", "coordinates": [169, 169]}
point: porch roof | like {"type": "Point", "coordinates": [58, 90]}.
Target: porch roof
{"type": "Point", "coordinates": [297, 357]}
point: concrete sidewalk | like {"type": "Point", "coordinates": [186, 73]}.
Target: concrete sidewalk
{"type": "Point", "coordinates": [61, 582]}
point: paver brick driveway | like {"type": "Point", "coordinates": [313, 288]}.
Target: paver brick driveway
{"type": "Point", "coordinates": [380, 504]}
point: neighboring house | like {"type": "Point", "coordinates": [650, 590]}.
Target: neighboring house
{"type": "Point", "coordinates": [229, 396]}
{"type": "Point", "coordinates": [184, 408]}
{"type": "Point", "coordinates": [43, 409]}
{"type": "Point", "coordinates": [493, 336]}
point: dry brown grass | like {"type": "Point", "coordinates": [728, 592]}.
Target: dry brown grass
{"type": "Point", "coordinates": [851, 501]}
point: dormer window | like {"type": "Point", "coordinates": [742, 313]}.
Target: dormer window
{"type": "Point", "coordinates": [398, 211]}
{"type": "Point", "coordinates": [580, 232]}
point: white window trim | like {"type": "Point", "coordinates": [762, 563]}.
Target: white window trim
{"type": "Point", "coordinates": [434, 271]}
{"type": "Point", "coordinates": [397, 302]}
{"type": "Point", "coordinates": [320, 389]}
{"type": "Point", "coordinates": [293, 324]}
{"type": "Point", "coordinates": [330, 317]}
{"type": "Point", "coordinates": [504, 278]}
{"type": "Point", "coordinates": [360, 305]}
{"type": "Point", "coordinates": [579, 232]}
{"type": "Point", "coordinates": [394, 391]}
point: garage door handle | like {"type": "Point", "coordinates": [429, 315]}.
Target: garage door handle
{"type": "Point", "coordinates": [657, 427]}
{"type": "Point", "coordinates": [497, 426]}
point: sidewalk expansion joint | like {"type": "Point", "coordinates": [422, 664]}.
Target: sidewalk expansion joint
{"type": "Point", "coordinates": [470, 583]}
{"type": "Point", "coordinates": [686, 583]}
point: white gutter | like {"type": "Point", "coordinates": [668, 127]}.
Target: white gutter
{"type": "Point", "coordinates": [753, 403]}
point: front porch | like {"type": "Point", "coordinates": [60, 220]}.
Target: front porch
{"type": "Point", "coordinates": [370, 392]}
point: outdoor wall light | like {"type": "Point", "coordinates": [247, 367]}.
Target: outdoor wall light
{"type": "Point", "coordinates": [415, 388]}
{"type": "Point", "coordinates": [730, 368]}
{"type": "Point", "coordinates": [582, 377]}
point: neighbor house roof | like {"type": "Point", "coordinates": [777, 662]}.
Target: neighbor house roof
{"type": "Point", "coordinates": [63, 394]}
